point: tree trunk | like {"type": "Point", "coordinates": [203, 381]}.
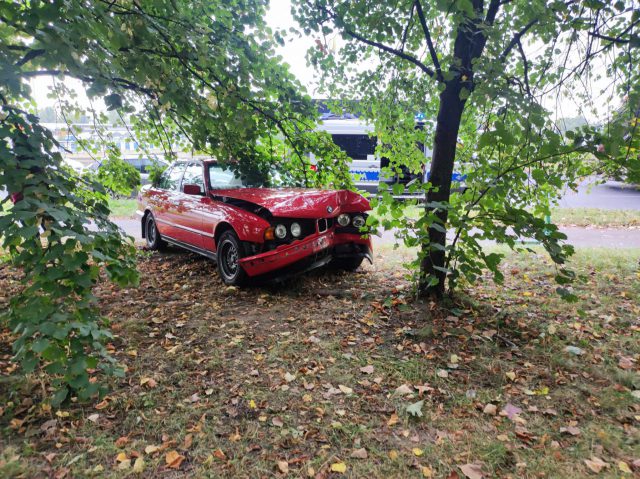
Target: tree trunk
{"type": "Point", "coordinates": [442, 162]}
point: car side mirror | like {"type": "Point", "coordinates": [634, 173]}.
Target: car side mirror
{"type": "Point", "coordinates": [191, 189]}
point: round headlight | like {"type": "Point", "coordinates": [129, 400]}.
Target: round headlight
{"type": "Point", "coordinates": [281, 231]}
{"type": "Point", "coordinates": [343, 219]}
{"type": "Point", "coordinates": [295, 230]}
{"type": "Point", "coordinates": [358, 221]}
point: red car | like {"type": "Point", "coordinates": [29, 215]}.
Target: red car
{"type": "Point", "coordinates": [251, 231]}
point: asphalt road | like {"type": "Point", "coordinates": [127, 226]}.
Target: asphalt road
{"type": "Point", "coordinates": [611, 195]}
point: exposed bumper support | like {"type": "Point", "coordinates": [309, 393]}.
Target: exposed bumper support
{"type": "Point", "coordinates": [318, 248]}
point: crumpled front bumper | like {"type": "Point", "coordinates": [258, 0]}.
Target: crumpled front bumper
{"type": "Point", "coordinates": [326, 244]}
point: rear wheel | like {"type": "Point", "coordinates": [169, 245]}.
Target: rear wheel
{"type": "Point", "coordinates": [229, 252]}
{"type": "Point", "coordinates": [152, 235]}
{"type": "Point", "coordinates": [347, 264]}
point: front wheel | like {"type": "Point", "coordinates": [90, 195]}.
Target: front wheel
{"type": "Point", "coordinates": [347, 264]}
{"type": "Point", "coordinates": [229, 252]}
{"type": "Point", "coordinates": [152, 235]}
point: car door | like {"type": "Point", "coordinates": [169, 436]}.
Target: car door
{"type": "Point", "coordinates": [165, 200]}
{"type": "Point", "coordinates": [190, 206]}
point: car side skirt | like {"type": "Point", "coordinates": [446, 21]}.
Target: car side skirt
{"type": "Point", "coordinates": [194, 249]}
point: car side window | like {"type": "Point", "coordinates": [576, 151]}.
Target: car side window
{"type": "Point", "coordinates": [170, 179]}
{"type": "Point", "coordinates": [193, 175]}
{"type": "Point", "coordinates": [164, 178]}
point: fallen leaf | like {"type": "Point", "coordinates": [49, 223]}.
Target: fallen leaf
{"type": "Point", "coordinates": [345, 389]}
{"type": "Point", "coordinates": [576, 351]}
{"type": "Point", "coordinates": [174, 459]}
{"type": "Point", "coordinates": [624, 467]}
{"type": "Point", "coordinates": [393, 455]}
{"type": "Point", "coordinates": [442, 373]}
{"type": "Point", "coordinates": [511, 375]}
{"type": "Point", "coordinates": [574, 431]}
{"type": "Point", "coordinates": [339, 467]}
{"type": "Point", "coordinates": [393, 420]}
{"type": "Point", "coordinates": [626, 362]}
{"type": "Point", "coordinates": [490, 409]}
{"type": "Point", "coordinates": [426, 472]}
{"type": "Point", "coordinates": [417, 451]}
{"type": "Point", "coordinates": [510, 411]}
{"type": "Point", "coordinates": [151, 449]}
{"type": "Point", "coordinates": [277, 422]}
{"type": "Point", "coordinates": [138, 465]}
{"type": "Point", "coordinates": [188, 440]}
{"type": "Point", "coordinates": [283, 466]}
{"type": "Point", "coordinates": [148, 382]}
{"type": "Point", "coordinates": [93, 417]}
{"type": "Point", "coordinates": [404, 389]}
{"type": "Point", "coordinates": [367, 369]}
{"type": "Point", "coordinates": [289, 377]}
{"type": "Point", "coordinates": [415, 409]}
{"type": "Point", "coordinates": [595, 464]}
{"type": "Point", "coordinates": [218, 454]}
{"type": "Point", "coordinates": [472, 471]}
{"type": "Point", "coordinates": [122, 457]}
{"type": "Point", "coordinates": [121, 441]}
{"type": "Point", "coordinates": [360, 453]}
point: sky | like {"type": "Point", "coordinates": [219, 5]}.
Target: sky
{"type": "Point", "coordinates": [294, 54]}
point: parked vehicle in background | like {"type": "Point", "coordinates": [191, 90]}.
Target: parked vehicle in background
{"type": "Point", "coordinates": [144, 165]}
{"type": "Point", "coordinates": [354, 137]}
{"type": "Point", "coordinates": [252, 231]}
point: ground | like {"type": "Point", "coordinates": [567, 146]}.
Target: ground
{"type": "Point", "coordinates": [345, 375]}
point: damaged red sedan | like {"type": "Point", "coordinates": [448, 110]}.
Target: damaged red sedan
{"type": "Point", "coordinates": [253, 231]}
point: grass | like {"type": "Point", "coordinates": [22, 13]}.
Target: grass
{"type": "Point", "coordinates": [596, 217]}
{"type": "Point", "coordinates": [250, 382]}
{"type": "Point", "coordinates": [586, 217]}
{"type": "Point", "coordinates": [123, 207]}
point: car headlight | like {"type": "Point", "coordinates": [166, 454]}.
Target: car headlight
{"type": "Point", "coordinates": [281, 231]}
{"type": "Point", "coordinates": [359, 221]}
{"type": "Point", "coordinates": [295, 230]}
{"type": "Point", "coordinates": [343, 219]}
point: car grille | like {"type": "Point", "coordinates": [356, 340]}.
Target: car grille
{"type": "Point", "coordinates": [324, 224]}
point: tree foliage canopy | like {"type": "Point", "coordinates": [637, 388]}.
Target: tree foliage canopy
{"type": "Point", "coordinates": [485, 74]}
{"type": "Point", "coordinates": [194, 75]}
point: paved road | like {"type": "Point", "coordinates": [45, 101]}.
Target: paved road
{"type": "Point", "coordinates": [579, 237]}
{"type": "Point", "coordinates": [611, 195]}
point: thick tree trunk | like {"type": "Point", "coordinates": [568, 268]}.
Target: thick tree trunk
{"type": "Point", "coordinates": [442, 163]}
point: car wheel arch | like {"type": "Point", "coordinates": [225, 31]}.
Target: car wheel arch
{"type": "Point", "coordinates": [143, 222]}
{"type": "Point", "coordinates": [220, 229]}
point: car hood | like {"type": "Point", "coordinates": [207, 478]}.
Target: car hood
{"type": "Point", "coordinates": [299, 202]}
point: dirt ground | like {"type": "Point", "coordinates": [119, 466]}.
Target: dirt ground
{"type": "Point", "coordinates": [345, 375]}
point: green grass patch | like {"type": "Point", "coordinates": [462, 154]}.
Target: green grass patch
{"type": "Point", "coordinates": [595, 217]}
{"type": "Point", "coordinates": [123, 207]}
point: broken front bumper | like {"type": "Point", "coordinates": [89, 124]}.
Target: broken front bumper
{"type": "Point", "coordinates": [316, 248]}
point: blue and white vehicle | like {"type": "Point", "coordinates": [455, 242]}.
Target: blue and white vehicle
{"type": "Point", "coordinates": [352, 135]}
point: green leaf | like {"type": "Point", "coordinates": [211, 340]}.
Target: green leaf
{"type": "Point", "coordinates": [415, 409]}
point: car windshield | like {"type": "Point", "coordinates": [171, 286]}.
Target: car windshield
{"type": "Point", "coordinates": [222, 177]}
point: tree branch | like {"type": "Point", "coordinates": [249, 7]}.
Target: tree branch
{"type": "Point", "coordinates": [526, 68]}
{"type": "Point", "coordinates": [393, 51]}
{"type": "Point", "coordinates": [30, 55]}
{"type": "Point", "coordinates": [516, 39]}
{"type": "Point", "coordinates": [378, 45]}
{"type": "Point", "coordinates": [427, 36]}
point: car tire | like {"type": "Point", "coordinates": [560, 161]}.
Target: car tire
{"type": "Point", "coordinates": [228, 254]}
{"type": "Point", "coordinates": [152, 235]}
{"type": "Point", "coordinates": [347, 264]}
